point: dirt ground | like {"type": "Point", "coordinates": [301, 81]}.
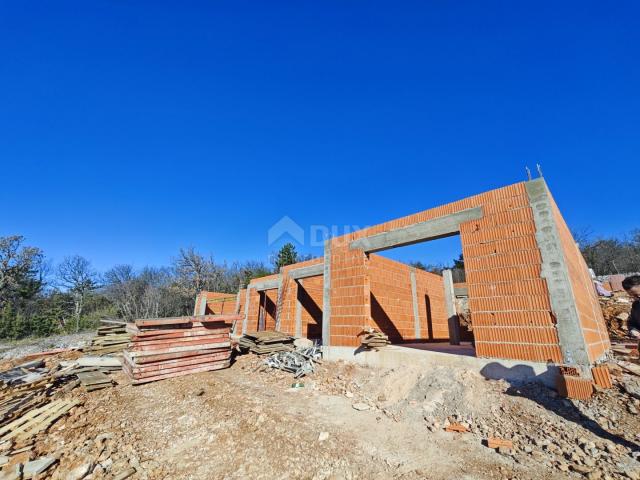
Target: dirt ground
{"type": "Point", "coordinates": [246, 423]}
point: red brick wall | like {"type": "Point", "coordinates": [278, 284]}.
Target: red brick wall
{"type": "Point", "coordinates": [238, 327]}
{"type": "Point", "coordinates": [253, 310]}
{"type": "Point", "coordinates": [311, 297]}
{"type": "Point", "coordinates": [243, 297]}
{"type": "Point", "coordinates": [256, 299]}
{"type": "Point", "coordinates": [432, 308]}
{"type": "Point", "coordinates": [391, 298]}
{"type": "Point", "coordinates": [392, 301]}
{"type": "Point", "coordinates": [269, 308]}
{"type": "Point", "coordinates": [350, 292]}
{"type": "Point", "coordinates": [508, 299]}
{"type": "Point", "coordinates": [288, 306]}
{"type": "Point", "coordinates": [217, 303]}
{"type": "Point", "coordinates": [593, 325]}
{"type": "Point", "coordinates": [289, 295]}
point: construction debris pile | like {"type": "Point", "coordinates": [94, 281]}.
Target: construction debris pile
{"type": "Point", "coordinates": [92, 371]}
{"type": "Point", "coordinates": [300, 362]}
{"type": "Point", "coordinates": [169, 347]}
{"type": "Point", "coordinates": [30, 402]}
{"type": "Point", "coordinates": [372, 339]}
{"type": "Point", "coordinates": [111, 338]}
{"type": "Point", "coordinates": [266, 342]}
{"type": "Point", "coordinates": [615, 310]}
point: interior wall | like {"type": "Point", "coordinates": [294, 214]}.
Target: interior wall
{"type": "Point", "coordinates": [391, 299]}
{"type": "Point", "coordinates": [220, 303]}
{"type": "Point", "coordinates": [432, 308]}
{"type": "Point", "coordinates": [255, 298]}
{"type": "Point", "coordinates": [310, 296]}
{"type": "Point", "coordinates": [290, 288]}
{"type": "Point", "coordinates": [269, 302]}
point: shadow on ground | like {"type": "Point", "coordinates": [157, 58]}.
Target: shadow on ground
{"type": "Point", "coordinates": [523, 382]}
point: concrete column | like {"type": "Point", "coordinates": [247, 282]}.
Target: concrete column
{"type": "Point", "coordinates": [556, 273]}
{"type": "Point", "coordinates": [281, 288]}
{"type": "Point", "coordinates": [414, 297]}
{"type": "Point", "coordinates": [326, 295]}
{"type": "Point", "coordinates": [203, 305]}
{"type": "Point", "coordinates": [246, 310]}
{"type": "Point", "coordinates": [237, 310]}
{"type": "Point", "coordinates": [298, 310]}
{"type": "Point", "coordinates": [262, 310]}
{"type": "Point", "coordinates": [450, 301]}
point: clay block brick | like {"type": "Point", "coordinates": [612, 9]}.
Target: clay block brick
{"type": "Point", "coordinates": [602, 376]}
{"type": "Point", "coordinates": [493, 442]}
{"type": "Point", "coordinates": [574, 387]}
{"type": "Point", "coordinates": [568, 371]}
{"type": "Point", "coordinates": [456, 427]}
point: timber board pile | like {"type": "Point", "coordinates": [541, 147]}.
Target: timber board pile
{"type": "Point", "coordinates": [109, 339]}
{"type": "Point", "coordinates": [266, 342]}
{"type": "Point", "coordinates": [169, 347]}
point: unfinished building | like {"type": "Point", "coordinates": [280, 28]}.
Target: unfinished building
{"type": "Point", "coordinates": [530, 293]}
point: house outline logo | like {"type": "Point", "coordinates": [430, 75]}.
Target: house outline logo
{"type": "Point", "coordinates": [285, 226]}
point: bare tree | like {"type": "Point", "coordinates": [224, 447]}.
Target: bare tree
{"type": "Point", "coordinates": [195, 273]}
{"type": "Point", "coordinates": [121, 289]}
{"type": "Point", "coordinates": [612, 255]}
{"type": "Point", "coordinates": [76, 275]}
{"type": "Point", "coordinates": [146, 294]}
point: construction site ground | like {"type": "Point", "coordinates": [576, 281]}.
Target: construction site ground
{"type": "Point", "coordinates": [347, 421]}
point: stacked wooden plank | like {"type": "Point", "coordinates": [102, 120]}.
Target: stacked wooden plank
{"type": "Point", "coordinates": [110, 338]}
{"type": "Point", "coordinates": [266, 342]}
{"type": "Point", "coordinates": [91, 371]}
{"type": "Point", "coordinates": [36, 420]}
{"type": "Point", "coordinates": [28, 403]}
{"type": "Point", "coordinates": [169, 347]}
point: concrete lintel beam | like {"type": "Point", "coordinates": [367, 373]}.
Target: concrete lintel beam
{"type": "Point", "coordinates": [266, 285]}
{"type": "Point", "coordinates": [430, 230]}
{"type": "Point", "coordinates": [461, 291]}
{"type": "Point", "coordinates": [305, 272]}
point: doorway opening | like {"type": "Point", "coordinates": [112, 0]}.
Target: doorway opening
{"type": "Point", "coordinates": [267, 310]}
{"type": "Point", "coordinates": [309, 299]}
{"type": "Point", "coordinates": [419, 297]}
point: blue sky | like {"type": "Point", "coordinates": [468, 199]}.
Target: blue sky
{"type": "Point", "coordinates": [130, 129]}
